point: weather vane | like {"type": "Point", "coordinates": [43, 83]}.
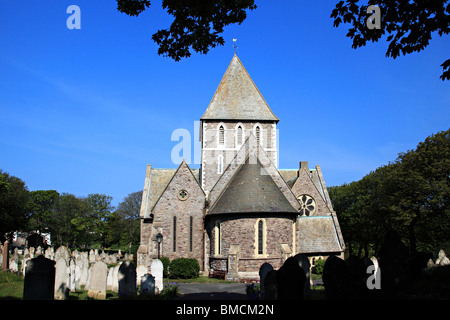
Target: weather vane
{"type": "Point", "coordinates": [235, 46]}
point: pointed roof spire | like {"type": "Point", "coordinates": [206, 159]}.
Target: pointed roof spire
{"type": "Point", "coordinates": [237, 97]}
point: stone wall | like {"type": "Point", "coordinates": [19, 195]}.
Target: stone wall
{"type": "Point", "coordinates": [243, 230]}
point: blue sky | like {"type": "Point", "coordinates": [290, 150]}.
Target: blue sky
{"type": "Point", "coordinates": [84, 111]}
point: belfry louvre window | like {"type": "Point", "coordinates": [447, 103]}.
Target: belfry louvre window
{"type": "Point", "coordinates": [260, 237]}
{"type": "Point", "coordinates": [221, 136]}
{"type": "Point", "coordinates": [258, 134]}
{"type": "Point", "coordinates": [174, 234]}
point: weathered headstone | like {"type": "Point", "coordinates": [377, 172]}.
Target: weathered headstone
{"type": "Point", "coordinates": [97, 281]}
{"type": "Point", "coordinates": [157, 271]}
{"type": "Point", "coordinates": [147, 284]}
{"type": "Point", "coordinates": [127, 279]}
{"type": "Point", "coordinates": [39, 283]}
{"type": "Point", "coordinates": [64, 253]}
{"type": "Point", "coordinates": [61, 280]}
{"type": "Point", "coordinates": [263, 271]}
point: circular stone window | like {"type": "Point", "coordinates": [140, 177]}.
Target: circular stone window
{"type": "Point", "coordinates": [308, 205]}
{"type": "Point", "coordinates": [183, 195]}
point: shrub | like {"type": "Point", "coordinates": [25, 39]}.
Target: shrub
{"type": "Point", "coordinates": [166, 262]}
{"type": "Point", "coordinates": [183, 268]}
{"type": "Point", "coordinates": [318, 266]}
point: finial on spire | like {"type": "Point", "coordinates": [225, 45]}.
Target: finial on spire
{"type": "Point", "coordinates": [235, 46]}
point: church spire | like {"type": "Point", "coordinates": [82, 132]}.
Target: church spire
{"type": "Point", "coordinates": [238, 98]}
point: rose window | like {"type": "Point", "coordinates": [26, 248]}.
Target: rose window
{"type": "Point", "coordinates": [308, 205]}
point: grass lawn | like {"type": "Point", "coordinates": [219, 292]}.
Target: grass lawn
{"type": "Point", "coordinates": [11, 286]}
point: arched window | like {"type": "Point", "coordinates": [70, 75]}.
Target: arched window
{"type": "Point", "coordinates": [191, 234]}
{"type": "Point", "coordinates": [260, 237]}
{"type": "Point", "coordinates": [221, 136]}
{"type": "Point", "coordinates": [239, 135]}
{"type": "Point", "coordinates": [217, 238]}
{"type": "Point", "coordinates": [258, 134]}
{"type": "Point", "coordinates": [174, 234]}
{"type": "Point", "coordinates": [220, 164]}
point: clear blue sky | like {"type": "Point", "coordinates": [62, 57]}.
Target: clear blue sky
{"type": "Point", "coordinates": [84, 111]}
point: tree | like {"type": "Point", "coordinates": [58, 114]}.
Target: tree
{"type": "Point", "coordinates": [410, 24]}
{"type": "Point", "coordinates": [42, 209]}
{"type": "Point", "coordinates": [423, 191]}
{"type": "Point", "coordinates": [196, 24]}
{"type": "Point", "coordinates": [409, 196]}
{"type": "Point", "coordinates": [92, 222]}
{"type": "Point", "coordinates": [63, 231]}
{"type": "Point", "coordinates": [14, 197]}
{"type": "Point", "coordinates": [124, 223]}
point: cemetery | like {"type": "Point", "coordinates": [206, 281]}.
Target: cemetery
{"type": "Point", "coordinates": [63, 274]}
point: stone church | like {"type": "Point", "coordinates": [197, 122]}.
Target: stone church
{"type": "Point", "coordinates": [238, 210]}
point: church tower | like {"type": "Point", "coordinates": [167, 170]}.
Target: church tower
{"type": "Point", "coordinates": [236, 111]}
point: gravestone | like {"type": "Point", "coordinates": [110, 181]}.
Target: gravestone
{"type": "Point", "coordinates": [91, 256]}
{"type": "Point", "coordinates": [5, 254]}
{"type": "Point", "coordinates": [263, 271]}
{"type": "Point", "coordinates": [442, 259]}
{"type": "Point", "coordinates": [271, 285]}
{"type": "Point", "coordinates": [393, 261]}
{"type": "Point", "coordinates": [304, 263]}
{"type": "Point", "coordinates": [358, 275]}
{"type": "Point", "coordinates": [64, 253]}
{"type": "Point", "coordinates": [291, 280]}
{"type": "Point", "coordinates": [61, 280]}
{"type": "Point", "coordinates": [337, 279]}
{"type": "Point", "coordinates": [115, 281]}
{"type": "Point", "coordinates": [140, 271]}
{"type": "Point", "coordinates": [39, 283]}
{"type": "Point", "coordinates": [147, 284]}
{"type": "Point", "coordinates": [109, 279]}
{"type": "Point", "coordinates": [97, 281]}
{"type": "Point", "coordinates": [72, 274]}
{"type": "Point", "coordinates": [127, 279]}
{"type": "Point", "coordinates": [157, 271]}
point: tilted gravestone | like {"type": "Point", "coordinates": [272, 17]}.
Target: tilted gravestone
{"type": "Point", "coordinates": [97, 282]}
{"type": "Point", "coordinates": [39, 283]}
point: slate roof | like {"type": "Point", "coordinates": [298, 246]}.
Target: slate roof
{"type": "Point", "coordinates": [318, 234]}
{"type": "Point", "coordinates": [251, 189]}
{"type": "Point", "coordinates": [238, 98]}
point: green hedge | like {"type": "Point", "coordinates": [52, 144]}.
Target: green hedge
{"type": "Point", "coordinates": [166, 262]}
{"type": "Point", "coordinates": [183, 268]}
